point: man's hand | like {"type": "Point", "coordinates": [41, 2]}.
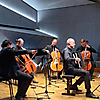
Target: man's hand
{"type": "Point", "coordinates": [34, 51]}
{"type": "Point", "coordinates": [87, 46]}
{"type": "Point", "coordinates": [56, 49]}
{"type": "Point", "coordinates": [47, 51]}
{"type": "Point", "coordinates": [77, 59]}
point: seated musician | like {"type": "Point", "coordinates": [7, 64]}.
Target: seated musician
{"type": "Point", "coordinates": [9, 67]}
{"type": "Point", "coordinates": [84, 44]}
{"type": "Point", "coordinates": [69, 69]}
{"type": "Point", "coordinates": [49, 49]}
{"type": "Point", "coordinates": [19, 44]}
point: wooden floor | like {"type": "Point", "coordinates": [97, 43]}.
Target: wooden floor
{"type": "Point", "coordinates": [57, 95]}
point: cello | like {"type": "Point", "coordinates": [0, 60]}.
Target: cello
{"type": "Point", "coordinates": [29, 64]}
{"type": "Point", "coordinates": [56, 64]}
{"type": "Point", "coordinates": [26, 64]}
{"type": "Point", "coordinates": [86, 58]}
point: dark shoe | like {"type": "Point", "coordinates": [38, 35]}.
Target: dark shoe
{"type": "Point", "coordinates": [19, 97]}
{"type": "Point", "coordinates": [35, 81]}
{"type": "Point", "coordinates": [49, 79]}
{"type": "Point", "coordinates": [91, 95]}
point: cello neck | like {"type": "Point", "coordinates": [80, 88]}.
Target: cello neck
{"type": "Point", "coordinates": [85, 52]}
{"type": "Point", "coordinates": [55, 53]}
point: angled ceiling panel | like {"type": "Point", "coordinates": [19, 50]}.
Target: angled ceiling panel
{"type": "Point", "coordinates": [21, 8]}
{"type": "Point", "coordinates": [32, 39]}
{"type": "Point", "coordinates": [51, 4]}
{"type": "Point", "coordinates": [25, 31]}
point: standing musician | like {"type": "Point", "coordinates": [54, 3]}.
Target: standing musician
{"type": "Point", "coordinates": [9, 67]}
{"type": "Point", "coordinates": [49, 49]}
{"type": "Point", "coordinates": [19, 44]}
{"type": "Point", "coordinates": [69, 69]}
{"type": "Point", "coordinates": [84, 44]}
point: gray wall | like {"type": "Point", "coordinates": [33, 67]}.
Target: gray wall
{"type": "Point", "coordinates": [77, 22]}
{"type": "Point", "coordinates": [8, 17]}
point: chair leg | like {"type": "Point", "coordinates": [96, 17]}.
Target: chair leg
{"type": "Point", "coordinates": [11, 89]}
{"type": "Point", "coordinates": [69, 83]}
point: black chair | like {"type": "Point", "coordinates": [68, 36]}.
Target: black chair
{"type": "Point", "coordinates": [10, 85]}
{"type": "Point", "coordinates": [69, 84]}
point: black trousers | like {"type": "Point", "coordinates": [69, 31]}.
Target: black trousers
{"type": "Point", "coordinates": [85, 76]}
{"type": "Point", "coordinates": [92, 69]}
{"type": "Point", "coordinates": [24, 81]}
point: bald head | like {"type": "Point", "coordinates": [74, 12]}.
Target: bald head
{"type": "Point", "coordinates": [20, 42]}
{"type": "Point", "coordinates": [70, 43]}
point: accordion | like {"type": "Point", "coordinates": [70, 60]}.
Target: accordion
{"type": "Point", "coordinates": [80, 64]}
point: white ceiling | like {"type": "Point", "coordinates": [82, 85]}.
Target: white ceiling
{"type": "Point", "coordinates": [51, 4]}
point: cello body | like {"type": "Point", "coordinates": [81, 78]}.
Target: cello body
{"type": "Point", "coordinates": [29, 66]}
{"type": "Point", "coordinates": [86, 58]}
{"type": "Point", "coordinates": [56, 64]}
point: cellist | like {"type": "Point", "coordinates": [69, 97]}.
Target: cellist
{"type": "Point", "coordinates": [69, 69]}
{"type": "Point", "coordinates": [49, 49]}
{"type": "Point", "coordinates": [9, 67]}
{"type": "Point", "coordinates": [19, 46]}
{"type": "Point", "coordinates": [84, 44]}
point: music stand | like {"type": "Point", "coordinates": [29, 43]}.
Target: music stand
{"type": "Point", "coordinates": [40, 52]}
{"type": "Point", "coordinates": [45, 74]}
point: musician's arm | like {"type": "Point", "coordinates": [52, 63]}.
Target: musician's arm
{"type": "Point", "coordinates": [67, 56]}
{"type": "Point", "coordinates": [46, 49]}
{"type": "Point", "coordinates": [92, 49]}
{"type": "Point", "coordinates": [79, 48]}
{"type": "Point", "coordinates": [19, 52]}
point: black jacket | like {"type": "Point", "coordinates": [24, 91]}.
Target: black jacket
{"type": "Point", "coordinates": [8, 63]}
{"type": "Point", "coordinates": [68, 60]}
{"type": "Point", "coordinates": [50, 48]}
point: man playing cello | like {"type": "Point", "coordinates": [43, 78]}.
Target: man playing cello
{"type": "Point", "coordinates": [9, 67]}
{"type": "Point", "coordinates": [84, 44]}
{"type": "Point", "coordinates": [69, 69]}
{"type": "Point", "coordinates": [49, 49]}
{"type": "Point", "coordinates": [19, 44]}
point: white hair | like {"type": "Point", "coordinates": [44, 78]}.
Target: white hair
{"type": "Point", "coordinates": [20, 39]}
{"type": "Point", "coordinates": [70, 40]}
